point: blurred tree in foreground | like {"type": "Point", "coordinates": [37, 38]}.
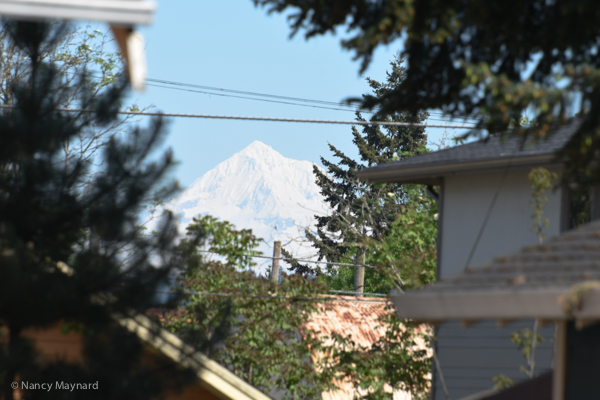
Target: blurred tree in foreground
{"type": "Point", "coordinates": [481, 60]}
{"type": "Point", "coordinates": [78, 50]}
{"type": "Point", "coordinates": [70, 254]}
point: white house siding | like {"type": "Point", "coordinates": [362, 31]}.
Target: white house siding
{"type": "Point", "coordinates": [466, 201]}
{"type": "Point", "coordinates": [470, 357]}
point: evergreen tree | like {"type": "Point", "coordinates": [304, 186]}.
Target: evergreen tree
{"type": "Point", "coordinates": [70, 254]}
{"type": "Point", "coordinates": [362, 210]}
{"type": "Point", "coordinates": [480, 60]}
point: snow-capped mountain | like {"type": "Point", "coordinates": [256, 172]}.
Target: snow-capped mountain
{"type": "Point", "coordinates": [256, 189]}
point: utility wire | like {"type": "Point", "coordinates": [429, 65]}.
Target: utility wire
{"type": "Point", "coordinates": [437, 115]}
{"type": "Point", "coordinates": [298, 260]}
{"type": "Point", "coordinates": [261, 296]}
{"type": "Point", "coordinates": [272, 96]}
{"type": "Point", "coordinates": [231, 117]}
{"type": "Point", "coordinates": [489, 211]}
{"type": "Point", "coordinates": [358, 293]}
{"type": "Point", "coordinates": [298, 99]}
{"type": "Point", "coordinates": [252, 98]}
{"type": "Point", "coordinates": [348, 109]}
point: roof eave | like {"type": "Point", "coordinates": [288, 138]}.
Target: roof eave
{"type": "Point", "coordinates": [432, 174]}
{"type": "Point", "coordinates": [506, 305]}
{"type": "Point", "coordinates": [123, 12]}
{"type": "Point", "coordinates": [213, 376]}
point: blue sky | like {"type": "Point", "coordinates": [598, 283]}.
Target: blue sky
{"type": "Point", "coordinates": [231, 44]}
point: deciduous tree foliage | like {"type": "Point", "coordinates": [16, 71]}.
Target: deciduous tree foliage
{"type": "Point", "coordinates": [479, 59]}
{"type": "Point", "coordinates": [268, 345]}
{"type": "Point", "coordinates": [50, 271]}
{"type": "Point", "coordinates": [395, 226]}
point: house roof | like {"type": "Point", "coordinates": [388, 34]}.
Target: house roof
{"type": "Point", "coordinates": [488, 154]}
{"type": "Point", "coordinates": [347, 317]}
{"type": "Point", "coordinates": [213, 376]}
{"type": "Point", "coordinates": [360, 319]}
{"type": "Point", "coordinates": [553, 281]}
{"type": "Point", "coordinates": [124, 12]}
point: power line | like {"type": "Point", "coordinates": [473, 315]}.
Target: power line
{"type": "Point", "coordinates": [489, 210]}
{"type": "Point", "coordinates": [247, 93]}
{"type": "Point", "coordinates": [358, 293]}
{"type": "Point", "coordinates": [272, 96]}
{"type": "Point", "coordinates": [298, 260]}
{"type": "Point", "coordinates": [299, 120]}
{"type": "Point", "coordinates": [251, 98]}
{"type": "Point", "coordinates": [349, 109]}
{"type": "Point", "coordinates": [277, 99]}
{"type": "Point", "coordinates": [261, 296]}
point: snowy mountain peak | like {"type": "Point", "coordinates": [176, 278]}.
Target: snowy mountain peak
{"type": "Point", "coordinates": [258, 149]}
{"type": "Point", "coordinates": [256, 188]}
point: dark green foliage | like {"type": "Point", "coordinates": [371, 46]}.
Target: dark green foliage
{"type": "Point", "coordinates": [72, 254]}
{"type": "Point", "coordinates": [480, 59]}
{"type": "Point", "coordinates": [361, 210]}
{"type": "Point", "coordinates": [268, 346]}
{"type": "Point", "coordinates": [395, 226]}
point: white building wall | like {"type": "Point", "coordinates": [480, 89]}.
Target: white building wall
{"type": "Point", "coordinates": [470, 358]}
{"type": "Point", "coordinates": [466, 201]}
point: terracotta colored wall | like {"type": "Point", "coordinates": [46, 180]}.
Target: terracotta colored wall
{"type": "Point", "coordinates": [193, 393]}
{"type": "Point", "coordinates": [52, 343]}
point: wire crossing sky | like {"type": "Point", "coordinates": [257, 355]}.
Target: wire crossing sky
{"type": "Point", "coordinates": [201, 54]}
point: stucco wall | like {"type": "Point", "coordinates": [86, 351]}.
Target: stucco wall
{"type": "Point", "coordinates": [466, 201]}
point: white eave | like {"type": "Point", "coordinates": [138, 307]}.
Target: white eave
{"type": "Point", "coordinates": [432, 173]}
{"type": "Point", "coordinates": [500, 305]}
{"type": "Point", "coordinates": [119, 12]}
{"type": "Point", "coordinates": [213, 376]}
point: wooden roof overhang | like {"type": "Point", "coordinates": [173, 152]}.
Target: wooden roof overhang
{"type": "Point", "coordinates": [495, 153]}
{"type": "Point", "coordinates": [121, 12]}
{"type": "Point", "coordinates": [121, 15]}
{"type": "Point", "coordinates": [212, 376]}
{"type": "Point", "coordinates": [432, 174]}
{"type": "Point", "coordinates": [503, 306]}
{"type": "Point", "coordinates": [555, 281]}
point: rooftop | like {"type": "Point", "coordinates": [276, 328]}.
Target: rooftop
{"type": "Point", "coordinates": [359, 319]}
{"type": "Point", "coordinates": [488, 154]}
{"type": "Point", "coordinates": [556, 280]}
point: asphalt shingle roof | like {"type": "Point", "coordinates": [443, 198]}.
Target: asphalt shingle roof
{"type": "Point", "coordinates": [566, 260]}
{"type": "Point", "coordinates": [442, 162]}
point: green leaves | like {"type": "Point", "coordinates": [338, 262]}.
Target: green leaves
{"type": "Point", "coordinates": [259, 336]}
{"type": "Point", "coordinates": [397, 360]}
{"type": "Point", "coordinates": [479, 60]}
{"type": "Point", "coordinates": [541, 181]}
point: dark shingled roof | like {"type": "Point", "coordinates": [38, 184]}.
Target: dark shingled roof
{"type": "Point", "coordinates": [568, 259]}
{"type": "Point", "coordinates": [495, 152]}
{"type": "Point", "coordinates": [556, 280]}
